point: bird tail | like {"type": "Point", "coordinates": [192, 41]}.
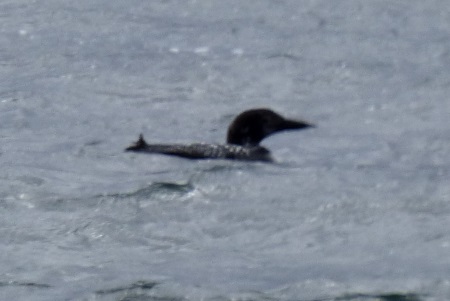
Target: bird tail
{"type": "Point", "coordinates": [138, 145]}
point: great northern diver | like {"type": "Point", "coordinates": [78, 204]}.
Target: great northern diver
{"type": "Point", "coordinates": [243, 138]}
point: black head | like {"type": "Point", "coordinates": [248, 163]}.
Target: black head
{"type": "Point", "coordinates": [252, 126]}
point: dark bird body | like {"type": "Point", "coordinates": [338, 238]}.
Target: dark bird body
{"type": "Point", "coordinates": [244, 135]}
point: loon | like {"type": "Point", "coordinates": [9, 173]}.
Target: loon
{"type": "Point", "coordinates": [244, 135]}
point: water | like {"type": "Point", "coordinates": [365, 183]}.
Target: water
{"type": "Point", "coordinates": [355, 209]}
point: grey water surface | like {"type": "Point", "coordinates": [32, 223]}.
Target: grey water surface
{"type": "Point", "coordinates": [357, 208]}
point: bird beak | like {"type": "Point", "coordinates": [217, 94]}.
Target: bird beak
{"type": "Point", "coordinates": [290, 124]}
